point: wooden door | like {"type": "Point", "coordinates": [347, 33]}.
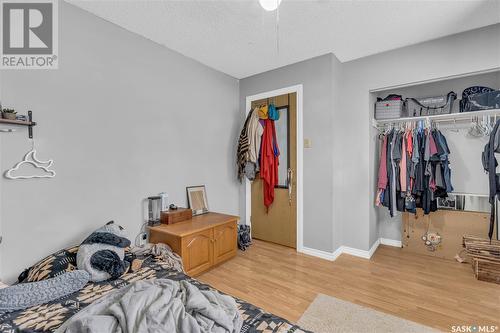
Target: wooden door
{"type": "Point", "coordinates": [279, 223]}
{"type": "Point", "coordinates": [197, 252]}
{"type": "Point", "coordinates": [225, 242]}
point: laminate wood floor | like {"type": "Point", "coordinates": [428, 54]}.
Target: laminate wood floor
{"type": "Point", "coordinates": [434, 292]}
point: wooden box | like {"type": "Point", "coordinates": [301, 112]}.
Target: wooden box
{"type": "Point", "coordinates": [203, 241]}
{"type": "Point", "coordinates": [175, 216]}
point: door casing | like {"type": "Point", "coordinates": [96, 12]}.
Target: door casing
{"type": "Point", "coordinates": [298, 89]}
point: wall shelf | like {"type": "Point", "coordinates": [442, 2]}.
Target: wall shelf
{"type": "Point", "coordinates": [17, 122]}
{"type": "Point", "coordinates": [29, 123]}
{"type": "Point", "coordinates": [450, 117]}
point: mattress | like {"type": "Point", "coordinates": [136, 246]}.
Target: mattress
{"type": "Point", "coordinates": [48, 317]}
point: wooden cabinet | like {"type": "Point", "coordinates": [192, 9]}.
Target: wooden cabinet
{"type": "Point", "coordinates": [197, 254]}
{"type": "Point", "coordinates": [202, 242]}
{"type": "Point", "coordinates": [224, 239]}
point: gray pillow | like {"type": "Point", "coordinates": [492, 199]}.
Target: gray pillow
{"type": "Point", "coordinates": [25, 295]}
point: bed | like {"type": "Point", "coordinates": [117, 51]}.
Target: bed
{"type": "Point", "coordinates": [48, 317]}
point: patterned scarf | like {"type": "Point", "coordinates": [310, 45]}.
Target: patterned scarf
{"type": "Point", "coordinates": [242, 151]}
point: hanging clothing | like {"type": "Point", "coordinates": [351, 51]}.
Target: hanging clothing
{"type": "Point", "coordinates": [269, 161]}
{"type": "Point", "coordinates": [414, 170]}
{"type": "Point", "coordinates": [254, 133]}
{"type": "Point", "coordinates": [242, 150]}
{"type": "Point", "coordinates": [382, 171]}
{"type": "Point", "coordinates": [490, 165]}
{"type": "Point", "coordinates": [263, 112]}
{"type": "Point", "coordinates": [403, 166]}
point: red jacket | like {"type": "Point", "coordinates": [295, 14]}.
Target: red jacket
{"type": "Point", "coordinates": [269, 161]}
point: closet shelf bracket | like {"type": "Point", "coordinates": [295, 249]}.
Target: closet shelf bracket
{"type": "Point", "coordinates": [31, 124]}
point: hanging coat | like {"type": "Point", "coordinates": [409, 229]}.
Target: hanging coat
{"type": "Point", "coordinates": [243, 146]}
{"type": "Point", "coordinates": [254, 134]}
{"type": "Point", "coordinates": [269, 161]}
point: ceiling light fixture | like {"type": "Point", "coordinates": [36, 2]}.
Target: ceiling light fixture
{"type": "Point", "coordinates": [270, 5]}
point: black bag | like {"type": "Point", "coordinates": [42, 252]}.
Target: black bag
{"type": "Point", "coordinates": [485, 101]}
{"type": "Point", "coordinates": [244, 237]}
{"type": "Point", "coordinates": [430, 106]}
{"type": "Point", "coordinates": [468, 94]}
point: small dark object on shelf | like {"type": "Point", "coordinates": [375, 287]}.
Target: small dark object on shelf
{"type": "Point", "coordinates": [172, 207]}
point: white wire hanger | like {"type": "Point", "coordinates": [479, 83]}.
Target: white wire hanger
{"type": "Point", "coordinates": [30, 158]}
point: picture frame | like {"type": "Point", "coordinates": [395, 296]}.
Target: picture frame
{"type": "Point", "coordinates": [197, 199]}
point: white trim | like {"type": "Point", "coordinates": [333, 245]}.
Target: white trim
{"type": "Point", "coordinates": [390, 242]}
{"type": "Point", "coordinates": [438, 79]}
{"type": "Point", "coordinates": [350, 250]}
{"type": "Point", "coordinates": [361, 253]}
{"type": "Point", "coordinates": [355, 252]}
{"type": "Point", "coordinates": [300, 159]}
{"type": "Point", "coordinates": [322, 254]}
{"type": "Point", "coordinates": [373, 248]}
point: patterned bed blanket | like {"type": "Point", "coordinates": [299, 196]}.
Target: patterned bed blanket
{"type": "Point", "coordinates": [48, 317]}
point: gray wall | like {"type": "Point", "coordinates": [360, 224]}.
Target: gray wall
{"type": "Point", "coordinates": [123, 118]}
{"type": "Point", "coordinates": [453, 55]}
{"type": "Point", "coordinates": [338, 147]}
{"type": "Point", "coordinates": [316, 77]}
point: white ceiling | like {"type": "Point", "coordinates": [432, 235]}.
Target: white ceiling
{"type": "Point", "coordinates": [239, 37]}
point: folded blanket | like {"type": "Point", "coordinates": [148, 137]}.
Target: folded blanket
{"type": "Point", "coordinates": [160, 305]}
{"type": "Point", "coordinates": [163, 251]}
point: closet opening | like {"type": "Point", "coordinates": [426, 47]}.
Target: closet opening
{"type": "Point", "coordinates": [436, 230]}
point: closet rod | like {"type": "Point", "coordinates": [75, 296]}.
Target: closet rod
{"type": "Point", "coordinates": [450, 117]}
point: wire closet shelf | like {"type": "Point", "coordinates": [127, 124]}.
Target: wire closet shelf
{"type": "Point", "coordinates": [450, 118]}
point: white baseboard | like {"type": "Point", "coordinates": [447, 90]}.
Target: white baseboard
{"type": "Point", "coordinates": [361, 253]}
{"type": "Point", "coordinates": [390, 242]}
{"type": "Point", "coordinates": [350, 250]}
{"type": "Point", "coordinates": [355, 252]}
{"type": "Point", "coordinates": [373, 248]}
{"type": "Point", "coordinates": [320, 254]}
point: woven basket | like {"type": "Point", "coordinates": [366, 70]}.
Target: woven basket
{"type": "Point", "coordinates": [485, 258]}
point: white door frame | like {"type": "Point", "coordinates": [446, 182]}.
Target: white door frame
{"type": "Point", "coordinates": [298, 89]}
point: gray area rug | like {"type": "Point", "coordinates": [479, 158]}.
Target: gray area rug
{"type": "Point", "coordinates": [329, 314]}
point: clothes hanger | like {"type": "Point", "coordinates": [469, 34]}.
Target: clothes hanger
{"type": "Point", "coordinates": [30, 158]}
{"type": "Point", "coordinates": [455, 128]}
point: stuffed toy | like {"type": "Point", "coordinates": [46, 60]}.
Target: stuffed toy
{"type": "Point", "coordinates": [102, 253]}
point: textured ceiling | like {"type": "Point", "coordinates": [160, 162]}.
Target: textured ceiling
{"type": "Point", "coordinates": [239, 37]}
